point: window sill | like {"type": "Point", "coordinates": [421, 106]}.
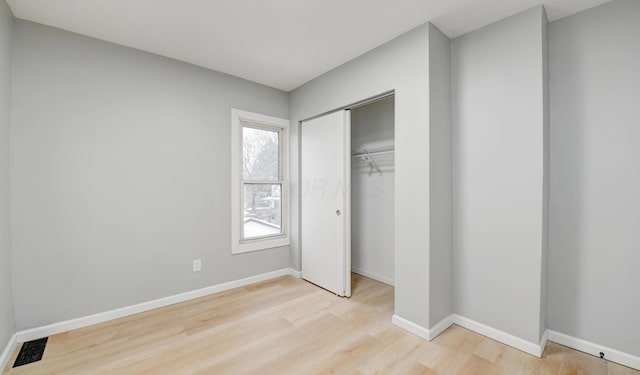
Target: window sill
{"type": "Point", "coordinates": [269, 243]}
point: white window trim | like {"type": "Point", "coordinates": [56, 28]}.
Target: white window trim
{"type": "Point", "coordinates": [238, 245]}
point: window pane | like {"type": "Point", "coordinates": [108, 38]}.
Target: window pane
{"type": "Point", "coordinates": [262, 210]}
{"type": "Point", "coordinates": [260, 154]}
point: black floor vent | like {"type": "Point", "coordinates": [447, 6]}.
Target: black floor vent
{"type": "Point", "coordinates": [31, 351]}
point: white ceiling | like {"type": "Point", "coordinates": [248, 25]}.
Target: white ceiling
{"type": "Point", "coordinates": [279, 43]}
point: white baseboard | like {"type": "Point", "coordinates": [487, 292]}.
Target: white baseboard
{"type": "Point", "coordinates": [543, 341]}
{"type": "Point", "coordinates": [294, 273]}
{"type": "Point", "coordinates": [52, 329]}
{"type": "Point", "coordinates": [441, 326]}
{"type": "Point", "coordinates": [536, 350]}
{"type": "Point", "coordinates": [495, 334]}
{"type": "Point", "coordinates": [498, 335]}
{"type": "Point", "coordinates": [410, 326]}
{"type": "Point", "coordinates": [612, 355]}
{"type": "Point", "coordinates": [6, 353]}
{"type": "Point", "coordinates": [420, 331]}
{"type": "Point", "coordinates": [371, 275]}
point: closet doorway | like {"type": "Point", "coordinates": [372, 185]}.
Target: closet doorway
{"type": "Point", "coordinates": [372, 190]}
{"type": "Point", "coordinates": [347, 195]}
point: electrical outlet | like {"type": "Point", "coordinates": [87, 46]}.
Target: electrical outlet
{"type": "Point", "coordinates": [197, 265]}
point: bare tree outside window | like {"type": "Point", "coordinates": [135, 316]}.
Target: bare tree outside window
{"type": "Point", "coordinates": [260, 154]}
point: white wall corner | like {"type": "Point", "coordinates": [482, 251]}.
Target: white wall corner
{"type": "Point", "coordinates": [588, 347]}
{"type": "Point", "coordinates": [68, 325]}
{"type": "Point", "coordinates": [543, 342]}
{"type": "Point", "coordinates": [440, 327]}
{"type": "Point", "coordinates": [506, 338]}
{"type": "Point", "coordinates": [7, 352]}
{"type": "Point", "coordinates": [372, 275]}
{"type": "Point", "coordinates": [420, 331]}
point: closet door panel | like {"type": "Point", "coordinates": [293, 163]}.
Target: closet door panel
{"type": "Point", "coordinates": [325, 202]}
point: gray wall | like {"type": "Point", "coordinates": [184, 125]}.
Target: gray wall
{"type": "Point", "coordinates": [441, 247]}
{"type": "Point", "coordinates": [372, 194]}
{"type": "Point", "coordinates": [120, 175]}
{"type": "Point", "coordinates": [498, 167]}
{"type": "Point", "coordinates": [595, 176]}
{"type": "Point", "coordinates": [401, 65]}
{"type": "Point", "coordinates": [6, 305]}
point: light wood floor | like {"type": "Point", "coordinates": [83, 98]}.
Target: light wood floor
{"type": "Point", "coordinates": [288, 326]}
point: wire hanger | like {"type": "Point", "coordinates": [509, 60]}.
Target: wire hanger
{"type": "Point", "coordinates": [365, 156]}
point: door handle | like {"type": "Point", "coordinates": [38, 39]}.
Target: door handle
{"type": "Point", "coordinates": [338, 212]}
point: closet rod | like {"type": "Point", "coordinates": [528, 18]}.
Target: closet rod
{"type": "Point", "coordinates": [365, 153]}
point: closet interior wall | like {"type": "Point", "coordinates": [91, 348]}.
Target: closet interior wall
{"type": "Point", "coordinates": [372, 190]}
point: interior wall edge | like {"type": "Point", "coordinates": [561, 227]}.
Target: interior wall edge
{"type": "Point", "coordinates": [7, 307]}
{"type": "Point", "coordinates": [440, 177]}
{"type": "Point", "coordinates": [545, 175]}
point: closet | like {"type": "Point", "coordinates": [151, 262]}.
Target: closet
{"type": "Point", "coordinates": [372, 190]}
{"type": "Point", "coordinates": [347, 195]}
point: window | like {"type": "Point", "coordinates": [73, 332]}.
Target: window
{"type": "Point", "coordinates": [259, 182]}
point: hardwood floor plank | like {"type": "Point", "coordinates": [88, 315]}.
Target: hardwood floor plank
{"type": "Point", "coordinates": [478, 365]}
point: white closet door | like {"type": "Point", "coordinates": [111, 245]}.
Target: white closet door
{"type": "Point", "coordinates": [325, 158]}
